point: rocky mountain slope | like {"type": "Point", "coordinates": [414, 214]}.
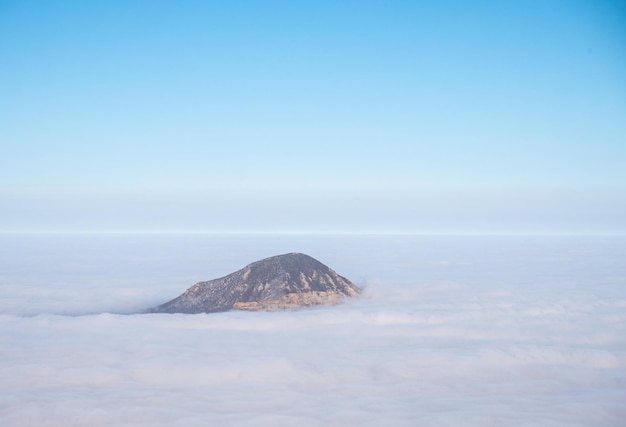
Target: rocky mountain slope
{"type": "Point", "coordinates": [281, 282]}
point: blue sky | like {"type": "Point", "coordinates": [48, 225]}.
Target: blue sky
{"type": "Point", "coordinates": [313, 116]}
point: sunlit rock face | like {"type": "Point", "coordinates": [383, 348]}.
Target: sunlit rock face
{"type": "Point", "coordinates": [281, 282]}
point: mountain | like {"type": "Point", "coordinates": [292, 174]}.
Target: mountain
{"type": "Point", "coordinates": [280, 282]}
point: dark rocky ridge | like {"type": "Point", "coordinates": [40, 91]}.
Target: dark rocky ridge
{"type": "Point", "coordinates": [277, 283]}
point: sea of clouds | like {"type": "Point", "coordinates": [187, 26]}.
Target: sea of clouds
{"type": "Point", "coordinates": [449, 330]}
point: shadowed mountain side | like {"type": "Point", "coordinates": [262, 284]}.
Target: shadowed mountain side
{"type": "Point", "coordinates": [277, 283]}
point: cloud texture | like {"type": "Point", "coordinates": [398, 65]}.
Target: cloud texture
{"type": "Point", "coordinates": [449, 331]}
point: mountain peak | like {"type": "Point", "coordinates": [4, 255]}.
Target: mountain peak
{"type": "Point", "coordinates": [280, 282]}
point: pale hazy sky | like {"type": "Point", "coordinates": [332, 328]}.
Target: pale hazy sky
{"type": "Point", "coordinates": [313, 116]}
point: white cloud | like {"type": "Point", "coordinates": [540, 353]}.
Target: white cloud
{"type": "Point", "coordinates": [427, 344]}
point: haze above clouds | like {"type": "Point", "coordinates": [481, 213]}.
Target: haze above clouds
{"type": "Point", "coordinates": [382, 211]}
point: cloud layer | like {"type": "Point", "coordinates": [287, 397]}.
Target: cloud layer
{"type": "Point", "coordinates": [449, 331]}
